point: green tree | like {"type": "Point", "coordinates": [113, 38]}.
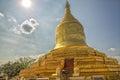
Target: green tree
{"type": "Point", "coordinates": [13, 68]}
{"type": "Point", "coordinates": [26, 62]}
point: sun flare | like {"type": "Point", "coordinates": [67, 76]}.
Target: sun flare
{"type": "Point", "coordinates": [26, 3]}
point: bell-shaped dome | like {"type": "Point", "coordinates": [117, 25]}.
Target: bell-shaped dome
{"type": "Point", "coordinates": [69, 32]}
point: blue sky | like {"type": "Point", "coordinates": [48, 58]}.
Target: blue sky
{"type": "Point", "coordinates": [31, 31]}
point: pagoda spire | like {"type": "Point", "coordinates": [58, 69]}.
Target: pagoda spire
{"type": "Point", "coordinates": [69, 31]}
{"type": "Point", "coordinates": [67, 7]}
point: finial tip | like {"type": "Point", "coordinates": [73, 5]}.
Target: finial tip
{"type": "Point", "coordinates": [67, 4]}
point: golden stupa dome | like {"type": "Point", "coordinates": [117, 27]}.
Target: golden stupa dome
{"type": "Point", "coordinates": [69, 32]}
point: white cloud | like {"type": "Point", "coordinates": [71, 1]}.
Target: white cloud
{"type": "Point", "coordinates": [33, 22]}
{"type": "Point", "coordinates": [112, 49]}
{"type": "Point", "coordinates": [12, 19]}
{"type": "Point", "coordinates": [58, 19]}
{"type": "Point", "coordinates": [1, 14]}
{"type": "Point", "coordinates": [28, 26]}
{"type": "Point", "coordinates": [15, 30]}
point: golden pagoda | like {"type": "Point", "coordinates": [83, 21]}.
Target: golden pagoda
{"type": "Point", "coordinates": [72, 58]}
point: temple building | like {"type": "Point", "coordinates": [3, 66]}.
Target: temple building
{"type": "Point", "coordinates": [72, 58]}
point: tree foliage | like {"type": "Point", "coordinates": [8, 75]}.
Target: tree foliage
{"type": "Point", "coordinates": [13, 68]}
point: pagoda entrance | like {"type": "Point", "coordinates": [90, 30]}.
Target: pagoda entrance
{"type": "Point", "coordinates": [67, 70]}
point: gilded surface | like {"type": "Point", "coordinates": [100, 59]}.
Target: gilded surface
{"type": "Point", "coordinates": [69, 32]}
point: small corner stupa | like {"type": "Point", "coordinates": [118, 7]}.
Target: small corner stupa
{"type": "Point", "coordinates": [72, 58]}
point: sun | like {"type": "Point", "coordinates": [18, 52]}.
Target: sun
{"type": "Point", "coordinates": [26, 3]}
